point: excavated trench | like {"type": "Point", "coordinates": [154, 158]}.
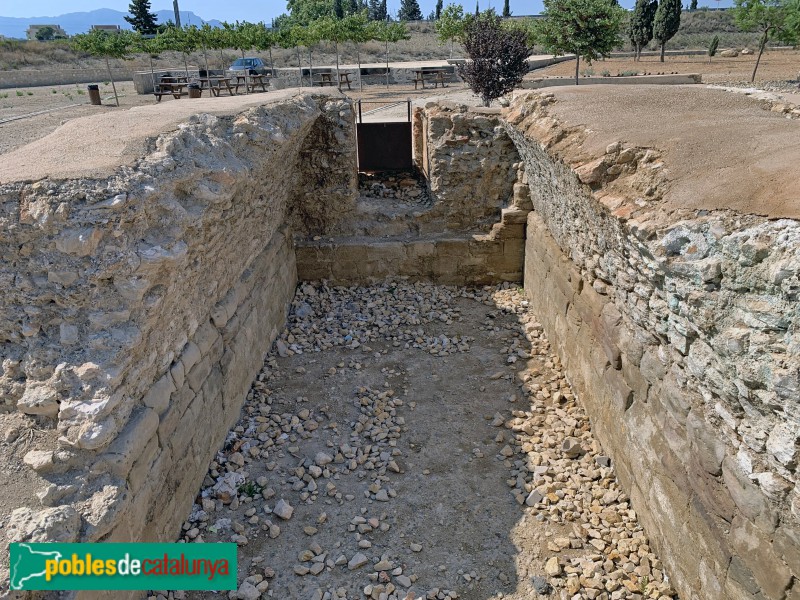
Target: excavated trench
{"type": "Point", "coordinates": [422, 426]}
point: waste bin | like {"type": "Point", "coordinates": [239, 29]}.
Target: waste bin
{"type": "Point", "coordinates": [195, 91]}
{"type": "Point", "coordinates": [94, 94]}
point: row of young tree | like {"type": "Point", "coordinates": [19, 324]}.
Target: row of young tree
{"type": "Point", "coordinates": [244, 37]}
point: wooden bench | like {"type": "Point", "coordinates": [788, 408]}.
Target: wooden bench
{"type": "Point", "coordinates": [217, 84]}
{"type": "Point", "coordinates": [325, 79]}
{"type": "Point", "coordinates": [435, 76]}
{"type": "Point", "coordinates": [251, 81]}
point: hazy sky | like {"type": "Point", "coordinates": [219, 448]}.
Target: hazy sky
{"type": "Point", "coordinates": [251, 10]}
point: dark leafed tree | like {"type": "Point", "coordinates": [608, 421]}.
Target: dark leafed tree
{"type": "Point", "coordinates": [338, 9]}
{"type": "Point", "coordinates": [46, 33]}
{"type": "Point", "coordinates": [439, 7]}
{"type": "Point", "coordinates": [353, 7]}
{"type": "Point", "coordinates": [409, 11]}
{"type": "Point", "coordinates": [640, 30]}
{"type": "Point", "coordinates": [667, 22]}
{"type": "Point", "coordinates": [506, 9]}
{"type": "Point", "coordinates": [477, 8]}
{"type": "Point", "coordinates": [693, 5]}
{"type": "Point", "coordinates": [141, 19]}
{"type": "Point", "coordinates": [498, 57]}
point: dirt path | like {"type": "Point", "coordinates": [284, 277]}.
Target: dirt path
{"type": "Point", "coordinates": [428, 446]}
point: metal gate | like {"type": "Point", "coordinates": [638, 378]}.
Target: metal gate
{"type": "Point", "coordinates": [384, 136]}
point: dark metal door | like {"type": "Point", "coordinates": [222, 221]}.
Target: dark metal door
{"type": "Point", "coordinates": [384, 145]}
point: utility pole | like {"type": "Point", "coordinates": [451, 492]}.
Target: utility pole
{"type": "Point", "coordinates": [177, 13]}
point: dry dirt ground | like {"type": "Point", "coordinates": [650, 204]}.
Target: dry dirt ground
{"type": "Point", "coordinates": [408, 441]}
{"type": "Point", "coordinates": [778, 66]}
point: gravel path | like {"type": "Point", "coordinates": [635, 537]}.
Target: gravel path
{"type": "Point", "coordinates": [412, 441]}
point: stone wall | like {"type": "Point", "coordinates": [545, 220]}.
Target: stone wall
{"type": "Point", "coordinates": [680, 333]}
{"type": "Point", "coordinates": [139, 306]}
{"type": "Point", "coordinates": [472, 230]}
{"type": "Point", "coordinates": [29, 78]}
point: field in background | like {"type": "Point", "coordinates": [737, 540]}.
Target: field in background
{"type": "Point", "coordinates": [697, 29]}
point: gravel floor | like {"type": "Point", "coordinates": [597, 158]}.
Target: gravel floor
{"type": "Point", "coordinates": [413, 441]}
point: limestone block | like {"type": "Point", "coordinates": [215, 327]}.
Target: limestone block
{"type": "Point", "coordinates": [753, 546]}
{"type": "Point", "coordinates": [40, 399]}
{"type": "Point", "coordinates": [706, 445]}
{"type": "Point", "coordinates": [198, 374]}
{"type": "Point", "coordinates": [158, 395]}
{"type": "Point", "coordinates": [58, 524]}
{"type": "Point", "coordinates": [748, 498]}
{"type": "Point", "coordinates": [130, 444]}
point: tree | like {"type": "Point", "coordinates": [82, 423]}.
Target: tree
{"type": "Point", "coordinates": [358, 31]}
{"type": "Point", "coordinates": [181, 39]}
{"type": "Point", "coordinates": [338, 9]}
{"type": "Point", "coordinates": [498, 57]}
{"type": "Point", "coordinates": [712, 47]}
{"type": "Point", "coordinates": [667, 22]}
{"type": "Point", "coordinates": [152, 46]}
{"type": "Point", "coordinates": [264, 40]}
{"type": "Point", "coordinates": [770, 18]}
{"type": "Point", "coordinates": [45, 33]}
{"type": "Point", "coordinates": [303, 12]}
{"type": "Point", "coordinates": [439, 5]}
{"type": "Point", "coordinates": [409, 11]}
{"type": "Point", "coordinates": [389, 33]}
{"type": "Point", "coordinates": [141, 19]}
{"type": "Point", "coordinates": [693, 5]}
{"type": "Point", "coordinates": [353, 7]}
{"type": "Point", "coordinates": [377, 10]}
{"type": "Point", "coordinates": [108, 45]}
{"type": "Point", "coordinates": [477, 8]}
{"type": "Point", "coordinates": [588, 29]}
{"type": "Point", "coordinates": [450, 26]}
{"type": "Point", "coordinates": [640, 30]}
{"type": "Point", "coordinates": [506, 9]}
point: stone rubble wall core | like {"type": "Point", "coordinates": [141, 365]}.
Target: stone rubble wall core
{"type": "Point", "coordinates": [680, 333]}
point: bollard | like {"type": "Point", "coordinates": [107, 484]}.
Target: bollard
{"type": "Point", "coordinates": [94, 94]}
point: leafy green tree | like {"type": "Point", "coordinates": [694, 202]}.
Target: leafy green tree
{"type": "Point", "coordinates": [108, 45]}
{"type": "Point", "coordinates": [498, 57]}
{"type": "Point", "coordinates": [389, 33]}
{"type": "Point", "coordinates": [141, 19]}
{"type": "Point", "coordinates": [303, 12]}
{"type": "Point", "coordinates": [152, 46]}
{"type": "Point", "coordinates": [46, 33]}
{"type": "Point", "coordinates": [353, 7]}
{"type": "Point", "coordinates": [588, 29]}
{"type": "Point", "coordinates": [506, 9]}
{"type": "Point", "coordinates": [770, 18]}
{"type": "Point", "coordinates": [640, 30]}
{"type": "Point", "coordinates": [409, 11]}
{"type": "Point", "coordinates": [450, 26]}
{"type": "Point", "coordinates": [287, 38]}
{"type": "Point", "coordinates": [181, 39]}
{"type": "Point", "coordinates": [330, 29]}
{"type": "Point", "coordinates": [308, 37]}
{"type": "Point", "coordinates": [358, 31]}
{"type": "Point", "coordinates": [667, 22]}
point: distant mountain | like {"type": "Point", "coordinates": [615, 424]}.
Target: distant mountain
{"type": "Point", "coordinates": [80, 22]}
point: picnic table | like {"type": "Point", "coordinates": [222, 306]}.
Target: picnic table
{"type": "Point", "coordinates": [216, 84]}
{"type": "Point", "coordinates": [254, 80]}
{"type": "Point", "coordinates": [435, 76]}
{"type": "Point", "coordinates": [173, 89]}
{"type": "Point", "coordinates": [327, 79]}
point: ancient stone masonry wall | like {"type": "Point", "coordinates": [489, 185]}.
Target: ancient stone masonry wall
{"type": "Point", "coordinates": [471, 233]}
{"type": "Point", "coordinates": [470, 162]}
{"type": "Point", "coordinates": [137, 308]}
{"type": "Point", "coordinates": [681, 333]}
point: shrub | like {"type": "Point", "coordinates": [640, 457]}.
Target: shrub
{"type": "Point", "coordinates": [498, 57]}
{"type": "Point", "coordinates": [712, 46]}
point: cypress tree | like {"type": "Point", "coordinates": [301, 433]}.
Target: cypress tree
{"type": "Point", "coordinates": [141, 19]}
{"type": "Point", "coordinates": [477, 8]}
{"type": "Point", "coordinates": [352, 7]}
{"type": "Point", "coordinates": [409, 11]}
{"type": "Point", "coordinates": [641, 26]}
{"type": "Point", "coordinates": [506, 9]}
{"type": "Point", "coordinates": [338, 9]}
{"type": "Point", "coordinates": [439, 6]}
{"type": "Point", "coordinates": [384, 12]}
{"type": "Point", "coordinates": [666, 23]}
{"type": "Point", "coordinates": [693, 5]}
